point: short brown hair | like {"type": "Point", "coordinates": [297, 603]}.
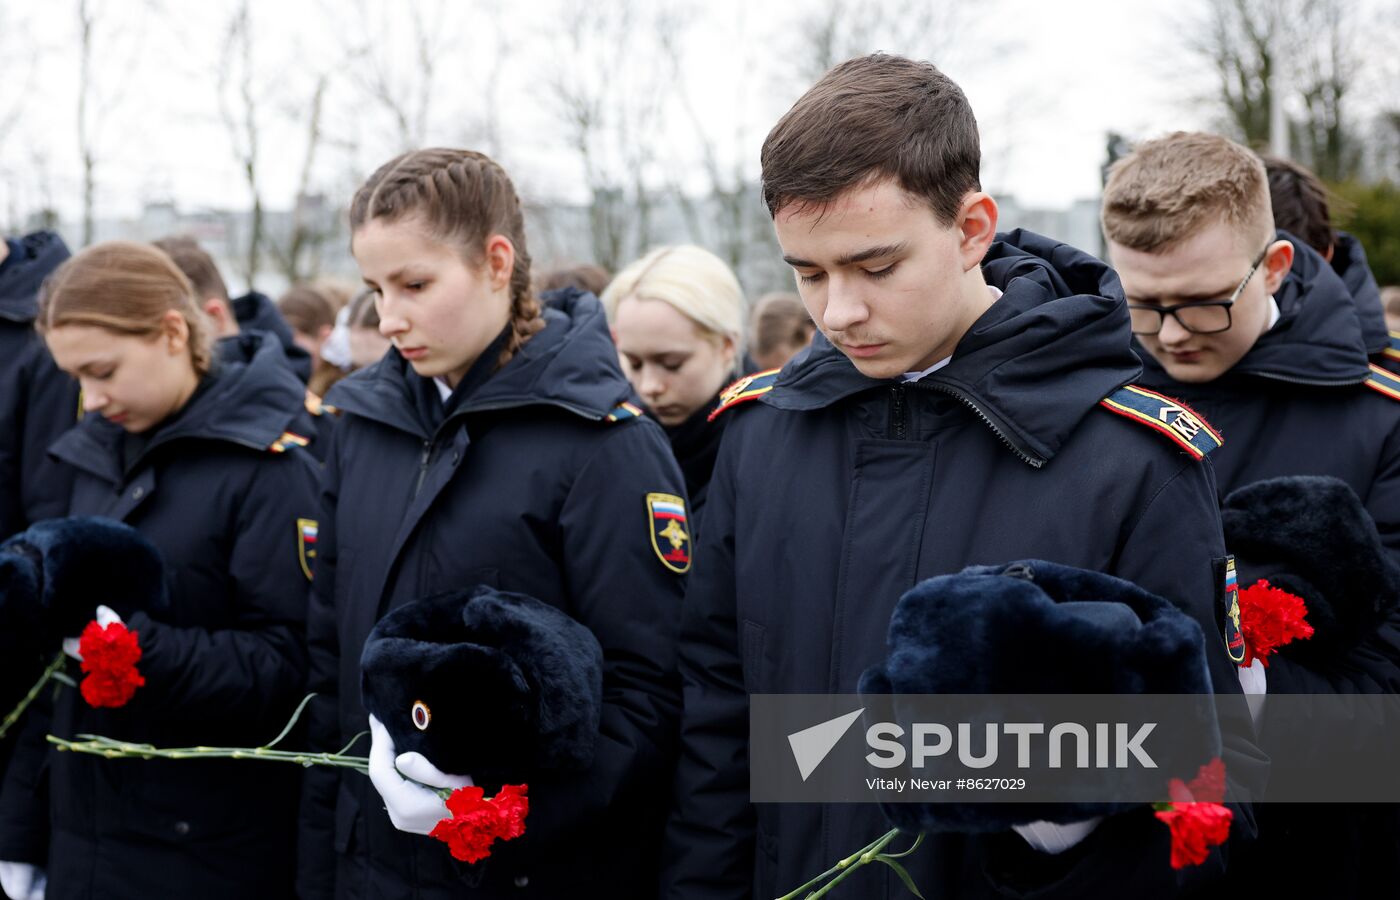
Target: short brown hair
{"type": "Point", "coordinates": [306, 309]}
{"type": "Point", "coordinates": [197, 265]}
{"type": "Point", "coordinates": [779, 321]}
{"type": "Point", "coordinates": [125, 288]}
{"type": "Point", "coordinates": [462, 197]}
{"type": "Point", "coordinates": [1167, 189]}
{"type": "Point", "coordinates": [871, 118]}
{"type": "Point", "coordinates": [1300, 204]}
{"type": "Point", "coordinates": [585, 277]}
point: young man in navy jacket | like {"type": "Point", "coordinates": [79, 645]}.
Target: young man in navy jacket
{"type": "Point", "coordinates": [948, 413]}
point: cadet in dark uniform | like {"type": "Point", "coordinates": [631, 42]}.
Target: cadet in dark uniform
{"type": "Point", "coordinates": [950, 412]}
{"type": "Point", "coordinates": [252, 312]}
{"type": "Point", "coordinates": [493, 444]}
{"type": "Point", "coordinates": [206, 462]}
{"type": "Point", "coordinates": [1256, 331]}
{"type": "Point", "coordinates": [37, 404]}
{"type": "Point", "coordinates": [1300, 204]}
{"type": "Point", "coordinates": [240, 331]}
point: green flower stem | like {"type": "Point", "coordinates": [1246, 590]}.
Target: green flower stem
{"type": "Point", "coordinates": [18, 711]}
{"type": "Point", "coordinates": [845, 867]}
{"type": "Point", "coordinates": [113, 749]}
{"type": "Point", "coordinates": [866, 857]}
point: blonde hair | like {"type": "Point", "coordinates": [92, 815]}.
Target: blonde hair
{"type": "Point", "coordinates": [126, 288]}
{"type": "Point", "coordinates": [1167, 189]}
{"type": "Point", "coordinates": [694, 281]}
{"type": "Point", "coordinates": [464, 197]}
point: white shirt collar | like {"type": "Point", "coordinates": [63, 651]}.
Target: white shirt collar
{"type": "Point", "coordinates": [1273, 313]}
{"type": "Point", "coordinates": [910, 377]}
{"type": "Point", "coordinates": [444, 389]}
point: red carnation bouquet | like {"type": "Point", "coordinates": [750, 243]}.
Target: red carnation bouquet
{"type": "Point", "coordinates": [1270, 618]}
{"type": "Point", "coordinates": [110, 653]}
{"type": "Point", "coordinates": [1197, 818]}
{"type": "Point", "coordinates": [478, 821]}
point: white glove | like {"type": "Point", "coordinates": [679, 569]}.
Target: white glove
{"type": "Point", "coordinates": [1255, 684]}
{"type": "Point", "coordinates": [412, 807]}
{"type": "Point", "coordinates": [22, 881]}
{"type": "Point", "coordinates": [105, 616]}
{"type": "Point", "coordinates": [1051, 837]}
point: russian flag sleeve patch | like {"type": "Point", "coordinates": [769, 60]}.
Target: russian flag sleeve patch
{"type": "Point", "coordinates": [670, 531]}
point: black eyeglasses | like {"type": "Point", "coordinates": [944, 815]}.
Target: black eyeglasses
{"type": "Point", "coordinates": [1197, 316]}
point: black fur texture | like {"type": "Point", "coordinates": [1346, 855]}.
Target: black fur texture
{"type": "Point", "coordinates": [54, 576]}
{"type": "Point", "coordinates": [1310, 535]}
{"type": "Point", "coordinates": [1035, 627]}
{"type": "Point", "coordinates": [512, 684]}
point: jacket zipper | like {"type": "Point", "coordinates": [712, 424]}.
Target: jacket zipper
{"type": "Point", "coordinates": [1028, 458]}
{"type": "Point", "coordinates": [898, 413]}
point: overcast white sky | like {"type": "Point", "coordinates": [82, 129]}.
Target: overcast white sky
{"type": "Point", "coordinates": [1047, 81]}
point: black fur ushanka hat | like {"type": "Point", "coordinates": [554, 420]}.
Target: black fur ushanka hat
{"type": "Point", "coordinates": [1035, 627]}
{"type": "Point", "coordinates": [54, 576]}
{"type": "Point", "coordinates": [486, 683]}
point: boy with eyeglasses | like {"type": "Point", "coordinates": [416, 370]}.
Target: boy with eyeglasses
{"type": "Point", "coordinates": [1256, 332]}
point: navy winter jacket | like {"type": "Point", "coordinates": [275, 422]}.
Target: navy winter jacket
{"type": "Point", "coordinates": [38, 402]}
{"type": "Point", "coordinates": [835, 493]}
{"type": "Point", "coordinates": [522, 483]}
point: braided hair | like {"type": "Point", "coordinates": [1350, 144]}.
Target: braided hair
{"type": "Point", "coordinates": [463, 197]}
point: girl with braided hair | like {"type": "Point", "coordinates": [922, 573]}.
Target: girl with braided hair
{"type": "Point", "coordinates": [494, 444]}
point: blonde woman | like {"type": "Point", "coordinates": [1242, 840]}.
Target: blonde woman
{"type": "Point", "coordinates": [677, 316]}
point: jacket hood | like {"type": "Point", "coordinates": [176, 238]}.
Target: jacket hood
{"type": "Point", "coordinates": [1349, 262]}
{"type": "Point", "coordinates": [257, 312]}
{"type": "Point", "coordinates": [32, 258]}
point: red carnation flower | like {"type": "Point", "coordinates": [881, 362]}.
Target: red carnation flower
{"type": "Point", "coordinates": [478, 822]}
{"type": "Point", "coordinates": [1208, 786]}
{"type": "Point", "coordinates": [1269, 619]}
{"type": "Point", "coordinates": [1195, 816]}
{"type": "Point", "coordinates": [514, 806]}
{"type": "Point", "coordinates": [110, 654]}
{"type": "Point", "coordinates": [1195, 827]}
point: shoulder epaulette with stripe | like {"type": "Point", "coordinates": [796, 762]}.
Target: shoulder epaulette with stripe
{"type": "Point", "coordinates": [1393, 351]}
{"type": "Point", "coordinates": [1171, 417]}
{"type": "Point", "coordinates": [1385, 381]}
{"type": "Point", "coordinates": [747, 388]}
{"type": "Point", "coordinates": [624, 411]}
{"type": "Point", "coordinates": [288, 439]}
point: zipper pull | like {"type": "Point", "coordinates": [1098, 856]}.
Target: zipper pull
{"type": "Point", "coordinates": [423, 466]}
